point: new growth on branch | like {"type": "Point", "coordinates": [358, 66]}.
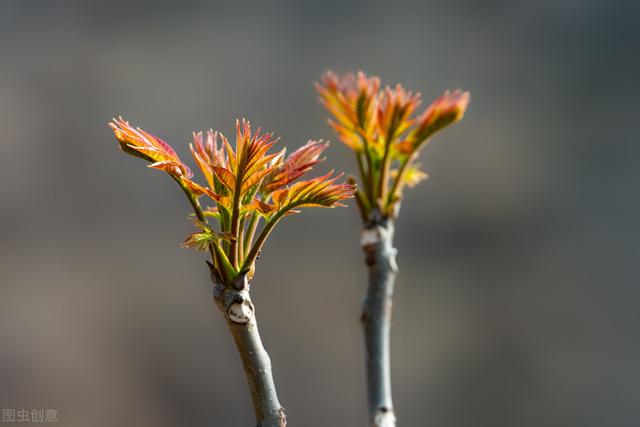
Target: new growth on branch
{"type": "Point", "coordinates": [247, 191]}
{"type": "Point", "coordinates": [244, 187]}
{"type": "Point", "coordinates": [384, 133]}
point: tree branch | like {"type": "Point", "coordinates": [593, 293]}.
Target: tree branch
{"type": "Point", "coordinates": [380, 256]}
{"type": "Point", "coordinates": [239, 312]}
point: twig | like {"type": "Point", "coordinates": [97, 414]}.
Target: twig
{"type": "Point", "coordinates": [239, 312]}
{"type": "Point", "coordinates": [380, 256]}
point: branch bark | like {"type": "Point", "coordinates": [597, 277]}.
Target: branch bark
{"type": "Point", "coordinates": [239, 312]}
{"type": "Point", "coordinates": [380, 256]}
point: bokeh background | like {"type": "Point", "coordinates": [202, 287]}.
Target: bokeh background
{"type": "Point", "coordinates": [517, 301]}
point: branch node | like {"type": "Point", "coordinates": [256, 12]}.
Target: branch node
{"type": "Point", "coordinates": [241, 282]}
{"type": "Point", "coordinates": [240, 312]}
{"type": "Point", "coordinates": [235, 303]}
{"type": "Point", "coordinates": [384, 417]}
{"type": "Point", "coordinates": [282, 417]}
{"type": "Point", "coordinates": [370, 237]}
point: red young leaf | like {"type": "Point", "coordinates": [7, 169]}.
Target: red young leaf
{"type": "Point", "coordinates": [142, 144]}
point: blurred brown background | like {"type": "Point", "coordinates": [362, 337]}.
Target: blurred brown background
{"type": "Point", "coordinates": [517, 301]}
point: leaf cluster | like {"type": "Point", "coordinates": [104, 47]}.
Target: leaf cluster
{"type": "Point", "coordinates": [382, 128]}
{"type": "Point", "coordinates": [247, 188]}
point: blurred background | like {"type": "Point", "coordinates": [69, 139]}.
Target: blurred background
{"type": "Point", "coordinates": [517, 300]}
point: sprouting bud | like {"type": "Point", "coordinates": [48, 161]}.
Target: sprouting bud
{"type": "Point", "coordinates": [138, 143]}
{"type": "Point", "coordinates": [246, 183]}
{"type": "Point", "coordinates": [447, 109]}
{"type": "Point", "coordinates": [384, 131]}
{"type": "Point", "coordinates": [352, 101]}
{"type": "Point", "coordinates": [394, 111]}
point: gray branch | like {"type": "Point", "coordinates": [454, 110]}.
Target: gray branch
{"type": "Point", "coordinates": [235, 303]}
{"type": "Point", "coordinates": [377, 242]}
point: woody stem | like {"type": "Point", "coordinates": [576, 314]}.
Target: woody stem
{"type": "Point", "coordinates": [239, 312]}
{"type": "Point", "coordinates": [377, 243]}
